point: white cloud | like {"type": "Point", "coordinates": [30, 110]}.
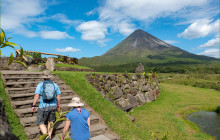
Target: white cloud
{"type": "Point", "coordinates": [200, 28]}
{"type": "Point", "coordinates": [17, 13]}
{"type": "Point", "coordinates": [171, 41]}
{"type": "Point", "coordinates": [92, 30]}
{"type": "Point", "coordinates": [211, 52]}
{"type": "Point", "coordinates": [211, 43]}
{"type": "Point", "coordinates": [67, 49]}
{"type": "Point", "coordinates": [63, 19]}
{"type": "Point", "coordinates": [54, 35]}
{"type": "Point", "coordinates": [19, 16]}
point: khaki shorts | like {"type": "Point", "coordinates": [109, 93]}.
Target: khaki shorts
{"type": "Point", "coordinates": [46, 114]}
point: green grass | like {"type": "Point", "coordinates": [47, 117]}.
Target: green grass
{"type": "Point", "coordinates": [17, 128]}
{"type": "Point", "coordinates": [73, 66]}
{"type": "Point", "coordinates": [211, 81]}
{"type": "Point", "coordinates": [114, 117]}
{"type": "Point", "coordinates": [68, 65]}
{"type": "Point", "coordinates": [169, 111]}
{"type": "Point", "coordinates": [164, 117]}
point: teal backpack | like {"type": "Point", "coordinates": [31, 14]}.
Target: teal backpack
{"type": "Point", "coordinates": [49, 91]}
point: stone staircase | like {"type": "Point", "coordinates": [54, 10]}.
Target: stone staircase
{"type": "Point", "coordinates": [20, 87]}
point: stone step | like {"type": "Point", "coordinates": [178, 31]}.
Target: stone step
{"type": "Point", "coordinates": [19, 72]}
{"type": "Point", "coordinates": [32, 121]}
{"type": "Point", "coordinates": [28, 103]}
{"type": "Point", "coordinates": [99, 137]}
{"type": "Point", "coordinates": [29, 96]}
{"type": "Point", "coordinates": [27, 112]}
{"type": "Point", "coordinates": [31, 89]}
{"type": "Point", "coordinates": [12, 78]}
{"type": "Point", "coordinates": [34, 132]}
{"type": "Point", "coordinates": [33, 82]}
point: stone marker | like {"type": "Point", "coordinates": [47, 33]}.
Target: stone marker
{"type": "Point", "coordinates": [139, 69]}
{"type": "Point", "coordinates": [50, 64]}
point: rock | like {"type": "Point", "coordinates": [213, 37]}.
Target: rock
{"type": "Point", "coordinates": [132, 118]}
{"type": "Point", "coordinates": [124, 81]}
{"type": "Point", "coordinates": [126, 86]}
{"type": "Point", "coordinates": [16, 66]}
{"type": "Point", "coordinates": [106, 87]}
{"type": "Point", "coordinates": [149, 96]}
{"type": "Point", "coordinates": [124, 104]}
{"type": "Point", "coordinates": [34, 68]}
{"type": "Point", "coordinates": [141, 98]}
{"type": "Point", "coordinates": [41, 67]}
{"type": "Point", "coordinates": [140, 69]}
{"type": "Point", "coordinates": [117, 92]}
{"type": "Point", "coordinates": [134, 77]}
{"type": "Point", "coordinates": [50, 64]}
{"type": "Point", "coordinates": [145, 88]}
{"type": "Point", "coordinates": [132, 100]}
{"type": "Point", "coordinates": [135, 83]}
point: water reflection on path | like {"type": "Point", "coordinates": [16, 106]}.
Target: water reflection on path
{"type": "Point", "coordinates": [209, 122]}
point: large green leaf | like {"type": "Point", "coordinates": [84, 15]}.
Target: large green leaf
{"type": "Point", "coordinates": [10, 44]}
{"type": "Point", "coordinates": [1, 37]}
{"type": "Point", "coordinates": [57, 115]}
{"type": "Point", "coordinates": [43, 137]}
{"type": "Point", "coordinates": [11, 59]}
{"type": "Point", "coordinates": [21, 52]}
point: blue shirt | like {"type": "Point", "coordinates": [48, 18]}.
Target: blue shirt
{"type": "Point", "coordinates": [39, 90]}
{"type": "Point", "coordinates": [79, 125]}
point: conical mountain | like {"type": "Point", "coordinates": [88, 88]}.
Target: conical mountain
{"type": "Point", "coordinates": [142, 47]}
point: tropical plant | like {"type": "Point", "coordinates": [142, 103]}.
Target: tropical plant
{"type": "Point", "coordinates": [59, 118]}
{"type": "Point", "coordinates": [4, 42]}
{"type": "Point", "coordinates": [22, 56]}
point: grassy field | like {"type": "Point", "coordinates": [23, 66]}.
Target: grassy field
{"type": "Point", "coordinates": [211, 81]}
{"type": "Point", "coordinates": [68, 65]}
{"type": "Point", "coordinates": [17, 128]}
{"type": "Point", "coordinates": [73, 66]}
{"type": "Point", "coordinates": [163, 118]}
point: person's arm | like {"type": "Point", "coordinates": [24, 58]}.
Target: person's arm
{"type": "Point", "coordinates": [58, 102]}
{"type": "Point", "coordinates": [66, 127]}
{"type": "Point", "coordinates": [88, 120]}
{"type": "Point", "coordinates": [36, 96]}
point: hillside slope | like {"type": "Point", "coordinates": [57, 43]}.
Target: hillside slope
{"type": "Point", "coordinates": [142, 47]}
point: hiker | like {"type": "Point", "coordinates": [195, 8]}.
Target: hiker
{"type": "Point", "coordinates": [79, 120]}
{"type": "Point", "coordinates": [49, 93]}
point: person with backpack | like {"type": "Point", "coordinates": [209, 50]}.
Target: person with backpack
{"type": "Point", "coordinates": [49, 94]}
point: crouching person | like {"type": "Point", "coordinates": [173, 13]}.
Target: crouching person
{"type": "Point", "coordinates": [49, 93]}
{"type": "Point", "coordinates": [79, 120]}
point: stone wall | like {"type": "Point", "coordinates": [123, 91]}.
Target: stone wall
{"type": "Point", "coordinates": [126, 91]}
{"type": "Point", "coordinates": [3, 62]}
{"type": "Point", "coordinates": [5, 130]}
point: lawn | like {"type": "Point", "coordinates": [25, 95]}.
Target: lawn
{"type": "Point", "coordinates": [162, 118]}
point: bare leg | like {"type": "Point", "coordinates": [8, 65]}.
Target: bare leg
{"type": "Point", "coordinates": [43, 128]}
{"type": "Point", "coordinates": [50, 130]}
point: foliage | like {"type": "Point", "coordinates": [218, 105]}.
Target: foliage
{"type": "Point", "coordinates": [4, 42]}
{"type": "Point", "coordinates": [21, 57]}
{"type": "Point", "coordinates": [16, 127]}
{"type": "Point", "coordinates": [35, 56]}
{"type": "Point", "coordinates": [60, 116]}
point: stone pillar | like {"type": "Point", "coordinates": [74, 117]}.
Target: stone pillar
{"type": "Point", "coordinates": [50, 64]}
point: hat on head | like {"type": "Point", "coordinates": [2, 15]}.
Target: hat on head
{"type": "Point", "coordinates": [75, 102]}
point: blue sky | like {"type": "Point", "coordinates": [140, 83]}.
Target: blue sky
{"type": "Point", "coordinates": [87, 28]}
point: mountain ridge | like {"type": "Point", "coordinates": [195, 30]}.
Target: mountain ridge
{"type": "Point", "coordinates": [143, 47]}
